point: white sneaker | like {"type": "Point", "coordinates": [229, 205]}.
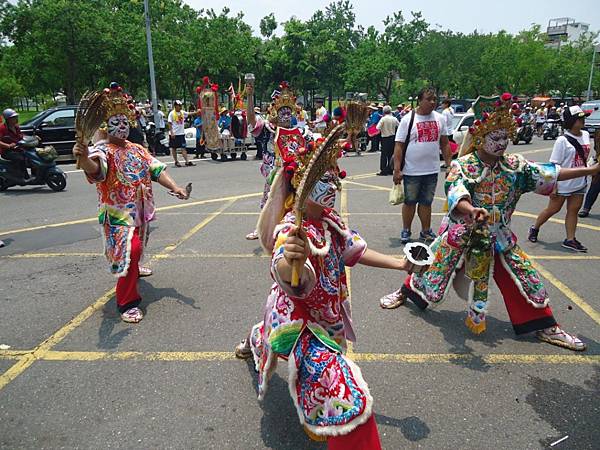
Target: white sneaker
{"type": "Point", "coordinates": [132, 315]}
{"type": "Point", "coordinates": [557, 336]}
{"type": "Point", "coordinates": [393, 300]}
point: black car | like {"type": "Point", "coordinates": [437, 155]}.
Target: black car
{"type": "Point", "coordinates": [56, 127]}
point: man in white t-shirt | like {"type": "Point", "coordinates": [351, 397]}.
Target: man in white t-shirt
{"type": "Point", "coordinates": [387, 126]}
{"type": "Point", "coordinates": [448, 114]}
{"type": "Point", "coordinates": [428, 135]}
{"type": "Point", "coordinates": [176, 121]}
{"type": "Point", "coordinates": [320, 113]}
{"type": "Point", "coordinates": [570, 151]}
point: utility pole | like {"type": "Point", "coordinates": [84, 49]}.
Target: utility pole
{"type": "Point", "coordinates": [589, 90]}
{"type": "Point", "coordinates": [151, 64]}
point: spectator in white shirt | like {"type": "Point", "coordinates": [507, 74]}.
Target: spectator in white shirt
{"type": "Point", "coordinates": [448, 114]}
{"type": "Point", "coordinates": [387, 127]}
{"type": "Point", "coordinates": [420, 153]}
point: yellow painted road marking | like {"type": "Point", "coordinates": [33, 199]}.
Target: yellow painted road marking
{"type": "Point", "coordinates": [215, 255]}
{"type": "Point", "coordinates": [585, 307]}
{"type": "Point", "coordinates": [41, 350]}
{"type": "Point", "coordinates": [411, 358]}
{"type": "Point", "coordinates": [564, 257]}
{"type": "Point", "coordinates": [48, 255]}
{"type": "Point", "coordinates": [163, 208]}
{"type": "Point", "coordinates": [561, 221]}
{"type": "Point", "coordinates": [539, 150]}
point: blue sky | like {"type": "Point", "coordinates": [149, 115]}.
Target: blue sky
{"type": "Point", "coordinates": [457, 15]}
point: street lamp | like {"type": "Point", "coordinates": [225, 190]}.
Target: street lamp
{"type": "Point", "coordinates": [595, 49]}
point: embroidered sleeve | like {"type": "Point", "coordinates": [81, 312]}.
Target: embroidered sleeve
{"type": "Point", "coordinates": [540, 178]}
{"type": "Point", "coordinates": [353, 247]}
{"type": "Point", "coordinates": [156, 167]}
{"type": "Point", "coordinates": [455, 187]}
{"type": "Point", "coordinates": [98, 152]}
{"type": "Point", "coordinates": [308, 280]}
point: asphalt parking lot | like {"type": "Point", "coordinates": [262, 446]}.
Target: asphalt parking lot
{"type": "Point", "coordinates": [72, 375]}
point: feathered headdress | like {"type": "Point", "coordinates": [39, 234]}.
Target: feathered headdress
{"type": "Point", "coordinates": [491, 114]}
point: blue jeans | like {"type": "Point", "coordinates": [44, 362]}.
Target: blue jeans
{"type": "Point", "coordinates": [419, 189]}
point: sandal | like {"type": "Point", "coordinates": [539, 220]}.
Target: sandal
{"type": "Point", "coordinates": [252, 236]}
{"type": "Point", "coordinates": [132, 315]}
{"type": "Point", "coordinates": [393, 300]}
{"type": "Point", "coordinates": [177, 164]}
{"type": "Point", "coordinates": [243, 350]}
{"type": "Point", "coordinates": [557, 336]}
{"type": "Point", "coordinates": [145, 271]}
{"type": "Point", "coordinates": [189, 163]}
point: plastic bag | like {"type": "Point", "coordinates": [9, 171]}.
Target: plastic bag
{"type": "Point", "coordinates": [396, 194]}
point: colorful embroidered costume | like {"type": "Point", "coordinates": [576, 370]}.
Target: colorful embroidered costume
{"type": "Point", "coordinates": [125, 200]}
{"type": "Point", "coordinates": [497, 189]}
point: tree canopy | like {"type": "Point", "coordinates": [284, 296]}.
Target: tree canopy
{"type": "Point", "coordinates": [52, 46]}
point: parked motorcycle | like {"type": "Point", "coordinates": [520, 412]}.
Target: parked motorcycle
{"type": "Point", "coordinates": [154, 139]}
{"type": "Point", "coordinates": [524, 133]}
{"type": "Point", "coordinates": [42, 164]}
{"type": "Point", "coordinates": [551, 129]}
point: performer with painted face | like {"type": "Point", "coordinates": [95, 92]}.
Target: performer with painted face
{"type": "Point", "coordinates": [279, 127]}
{"type": "Point", "coordinates": [475, 239]}
{"type": "Point", "coordinates": [309, 325]}
{"type": "Point", "coordinates": [123, 173]}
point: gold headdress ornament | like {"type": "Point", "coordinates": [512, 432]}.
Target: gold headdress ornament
{"type": "Point", "coordinates": [117, 102]}
{"type": "Point", "coordinates": [282, 98]}
{"type": "Point", "coordinates": [491, 114]}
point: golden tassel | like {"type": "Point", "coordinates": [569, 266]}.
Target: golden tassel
{"type": "Point", "coordinates": [476, 328]}
{"type": "Point", "coordinates": [313, 436]}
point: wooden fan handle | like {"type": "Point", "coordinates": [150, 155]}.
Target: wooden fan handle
{"type": "Point", "coordinates": [296, 270]}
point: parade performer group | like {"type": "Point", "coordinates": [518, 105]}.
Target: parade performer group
{"type": "Point", "coordinates": [123, 173]}
{"type": "Point", "coordinates": [475, 239]}
{"type": "Point", "coordinates": [309, 325]}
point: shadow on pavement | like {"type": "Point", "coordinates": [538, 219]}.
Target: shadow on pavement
{"type": "Point", "coordinates": [451, 324]}
{"type": "Point", "coordinates": [572, 410]}
{"type": "Point", "coordinates": [110, 316]}
{"type": "Point", "coordinates": [413, 428]}
{"type": "Point", "coordinates": [279, 425]}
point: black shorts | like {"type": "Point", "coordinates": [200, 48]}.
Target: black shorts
{"type": "Point", "coordinates": [177, 141]}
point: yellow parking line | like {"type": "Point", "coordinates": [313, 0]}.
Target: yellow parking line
{"type": "Point", "coordinates": [214, 255]}
{"type": "Point", "coordinates": [48, 255]}
{"type": "Point", "coordinates": [163, 208]}
{"type": "Point", "coordinates": [567, 292]}
{"type": "Point", "coordinates": [410, 358]}
{"type": "Point", "coordinates": [489, 358]}
{"type": "Point", "coordinates": [563, 257]}
{"type": "Point", "coordinates": [561, 221]}
{"type": "Point", "coordinates": [41, 350]}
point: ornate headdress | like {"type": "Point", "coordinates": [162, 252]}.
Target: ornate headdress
{"type": "Point", "coordinates": [117, 102]}
{"type": "Point", "coordinates": [491, 114]}
{"type": "Point", "coordinates": [284, 97]}
{"type": "Point", "coordinates": [208, 95]}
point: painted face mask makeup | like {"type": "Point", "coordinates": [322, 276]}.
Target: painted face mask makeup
{"type": "Point", "coordinates": [496, 142]}
{"type": "Point", "coordinates": [118, 126]}
{"type": "Point", "coordinates": [324, 192]}
{"type": "Point", "coordinates": [284, 117]}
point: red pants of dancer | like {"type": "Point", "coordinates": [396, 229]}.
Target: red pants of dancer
{"type": "Point", "coordinates": [524, 317]}
{"type": "Point", "coordinates": [363, 437]}
{"type": "Point", "coordinates": [127, 289]}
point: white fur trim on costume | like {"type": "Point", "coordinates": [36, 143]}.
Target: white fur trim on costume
{"type": "Point", "coordinates": [331, 430]}
{"type": "Point", "coordinates": [273, 212]}
{"type": "Point", "coordinates": [327, 237]}
{"type": "Point", "coordinates": [520, 287]}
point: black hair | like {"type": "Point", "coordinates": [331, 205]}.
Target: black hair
{"type": "Point", "coordinates": [447, 102]}
{"type": "Point", "coordinates": [425, 91]}
{"type": "Point", "coordinates": [570, 122]}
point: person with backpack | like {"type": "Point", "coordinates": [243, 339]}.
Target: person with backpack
{"type": "Point", "coordinates": [570, 151]}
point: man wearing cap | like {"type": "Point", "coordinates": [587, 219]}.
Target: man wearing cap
{"type": "Point", "coordinates": [10, 134]}
{"type": "Point", "coordinates": [387, 127]}
{"type": "Point", "coordinates": [176, 121]}
{"type": "Point", "coordinates": [374, 135]}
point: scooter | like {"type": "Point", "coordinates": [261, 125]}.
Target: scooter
{"type": "Point", "coordinates": [551, 130]}
{"type": "Point", "coordinates": [154, 139]}
{"type": "Point", "coordinates": [524, 133]}
{"type": "Point", "coordinates": [42, 164]}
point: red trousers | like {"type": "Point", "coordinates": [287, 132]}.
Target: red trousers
{"type": "Point", "coordinates": [524, 317]}
{"type": "Point", "coordinates": [127, 289]}
{"type": "Point", "coordinates": [364, 437]}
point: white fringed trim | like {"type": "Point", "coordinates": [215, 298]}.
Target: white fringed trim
{"type": "Point", "coordinates": [332, 430]}
{"type": "Point", "coordinates": [520, 286]}
{"type": "Point", "coordinates": [327, 237]}
{"type": "Point", "coordinates": [267, 372]}
{"type": "Point", "coordinates": [434, 305]}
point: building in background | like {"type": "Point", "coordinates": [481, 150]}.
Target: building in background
{"type": "Point", "coordinates": [565, 30]}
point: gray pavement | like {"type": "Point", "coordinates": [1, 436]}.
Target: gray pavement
{"type": "Point", "coordinates": [75, 376]}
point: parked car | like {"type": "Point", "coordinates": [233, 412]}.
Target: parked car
{"type": "Point", "coordinates": [55, 127]}
{"type": "Point", "coordinates": [592, 122]}
{"type": "Point", "coordinates": [461, 123]}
